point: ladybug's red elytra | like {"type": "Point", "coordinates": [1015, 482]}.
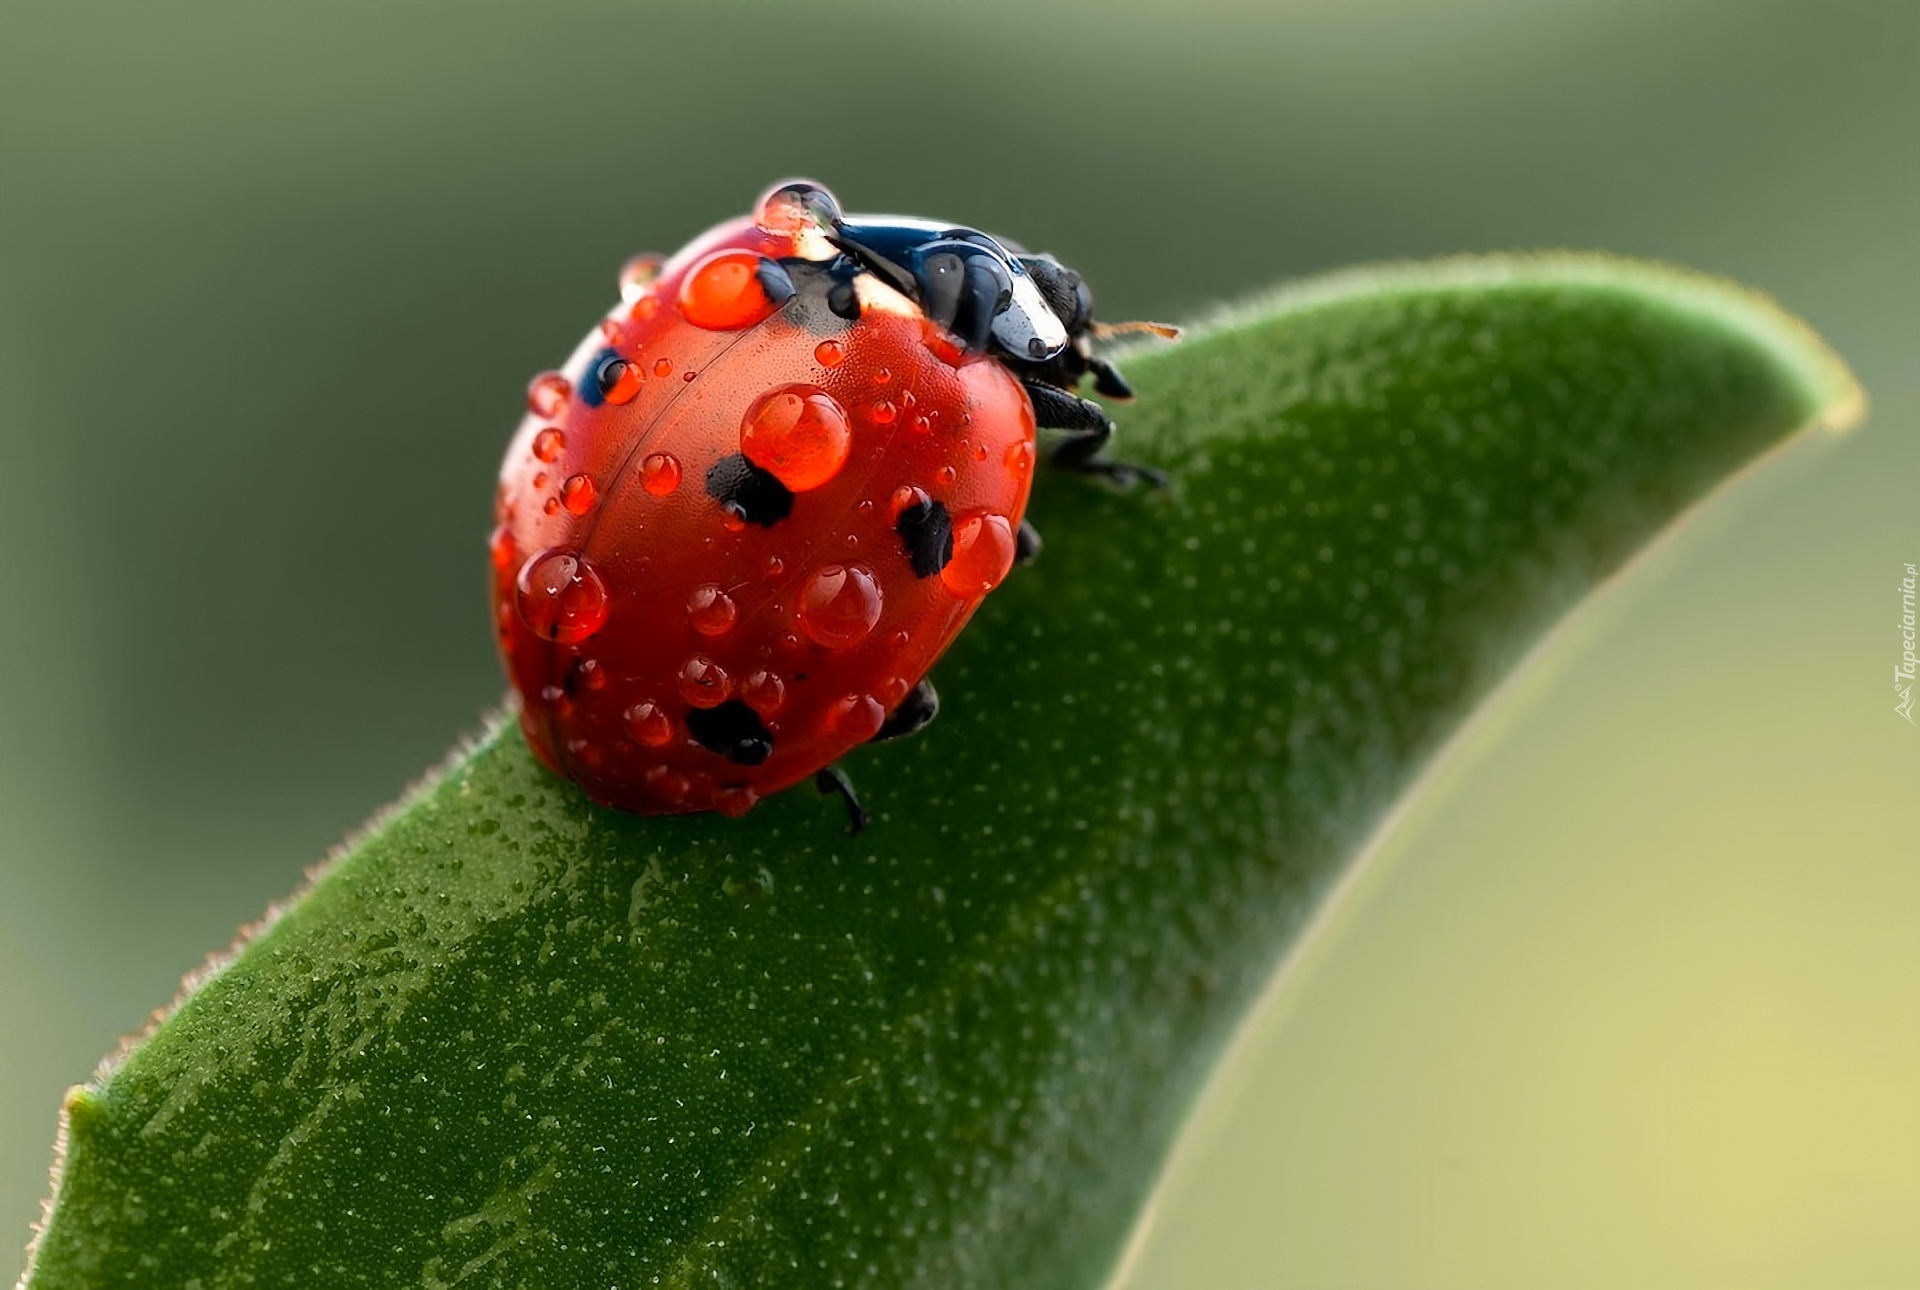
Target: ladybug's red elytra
{"type": "Point", "coordinates": [737, 528]}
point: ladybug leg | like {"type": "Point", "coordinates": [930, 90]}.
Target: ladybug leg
{"type": "Point", "coordinates": [1107, 381]}
{"type": "Point", "coordinates": [1026, 544]}
{"type": "Point", "coordinates": [921, 706]}
{"type": "Point", "coordinates": [834, 780]}
{"type": "Point", "coordinates": [1056, 409]}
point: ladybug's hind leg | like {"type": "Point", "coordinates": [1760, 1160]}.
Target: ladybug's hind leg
{"type": "Point", "coordinates": [920, 706]}
{"type": "Point", "coordinates": [834, 780]}
{"type": "Point", "coordinates": [1089, 432]}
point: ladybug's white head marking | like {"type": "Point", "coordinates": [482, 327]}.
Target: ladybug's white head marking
{"type": "Point", "coordinates": [1027, 328]}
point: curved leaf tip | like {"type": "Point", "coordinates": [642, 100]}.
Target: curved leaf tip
{"type": "Point", "coordinates": [509, 1038]}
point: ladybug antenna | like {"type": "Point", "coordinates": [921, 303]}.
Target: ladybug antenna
{"type": "Point", "coordinates": [1101, 331]}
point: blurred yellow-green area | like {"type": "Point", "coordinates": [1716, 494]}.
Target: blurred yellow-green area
{"type": "Point", "coordinates": [1629, 996]}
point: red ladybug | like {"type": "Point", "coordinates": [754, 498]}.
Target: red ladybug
{"type": "Point", "coordinates": [739, 526]}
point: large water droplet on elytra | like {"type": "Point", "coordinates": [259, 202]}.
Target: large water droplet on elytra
{"type": "Point", "coordinates": [724, 292]}
{"type": "Point", "coordinates": [560, 597]}
{"type": "Point", "coordinates": [829, 353]}
{"type": "Point", "coordinates": [983, 550]}
{"type": "Point", "coordinates": [795, 207]}
{"type": "Point", "coordinates": [711, 610]}
{"type": "Point", "coordinates": [798, 434]}
{"type": "Point", "coordinates": [548, 444]}
{"type": "Point", "coordinates": [547, 394]}
{"type": "Point", "coordinates": [838, 605]}
{"type": "Point", "coordinates": [660, 473]}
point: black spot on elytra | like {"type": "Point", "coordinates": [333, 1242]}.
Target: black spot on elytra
{"type": "Point", "coordinates": [748, 491]}
{"type": "Point", "coordinates": [602, 372]}
{"type": "Point", "coordinates": [733, 730]}
{"type": "Point", "coordinates": [926, 530]}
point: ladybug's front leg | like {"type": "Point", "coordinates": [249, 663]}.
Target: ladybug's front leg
{"type": "Point", "coordinates": [1090, 431]}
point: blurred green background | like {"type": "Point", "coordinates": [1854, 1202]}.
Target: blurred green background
{"type": "Point", "coordinates": [1631, 996]}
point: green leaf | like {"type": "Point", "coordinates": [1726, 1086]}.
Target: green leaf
{"type": "Point", "coordinates": [510, 1039]}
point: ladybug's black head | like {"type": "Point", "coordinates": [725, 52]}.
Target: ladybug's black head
{"type": "Point", "coordinates": [1066, 292]}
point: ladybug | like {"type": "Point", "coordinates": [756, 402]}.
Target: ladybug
{"type": "Point", "coordinates": [737, 528]}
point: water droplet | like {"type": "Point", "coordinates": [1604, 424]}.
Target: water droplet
{"type": "Point", "coordinates": [941, 343]}
{"type": "Point", "coordinates": [883, 413]}
{"type": "Point", "coordinates": [979, 452]}
{"type": "Point", "coordinates": [618, 379]}
{"type": "Point", "coordinates": [660, 473]}
{"type": "Point", "coordinates": [649, 723]}
{"type": "Point", "coordinates": [577, 494]}
{"type": "Point", "coordinates": [688, 376]}
{"type": "Point", "coordinates": [795, 207]}
{"type": "Point", "coordinates": [858, 716]}
{"type": "Point", "coordinates": [551, 506]}
{"type": "Point", "coordinates": [906, 498]}
{"type": "Point", "coordinates": [829, 353]}
{"type": "Point", "coordinates": [560, 597]}
{"type": "Point", "coordinates": [587, 674]}
{"type": "Point", "coordinates": [775, 567]}
{"type": "Point", "coordinates": [983, 548]}
{"type": "Point", "coordinates": [948, 474]}
{"type": "Point", "coordinates": [798, 434]}
{"type": "Point", "coordinates": [612, 330]}
{"type": "Point", "coordinates": [922, 425]}
{"type": "Point", "coordinates": [638, 274]}
{"type": "Point", "coordinates": [1019, 458]}
{"type": "Point", "coordinates": [723, 292]}
{"type": "Point", "coordinates": [894, 690]}
{"type": "Point", "coordinates": [764, 692]}
{"type": "Point", "coordinates": [662, 367]}
{"type": "Point", "coordinates": [881, 375]}
{"type": "Point", "coordinates": [547, 394]}
{"type": "Point", "coordinates": [540, 478]}
{"type": "Point", "coordinates": [838, 605]}
{"type": "Point", "coordinates": [900, 638]}
{"type": "Point", "coordinates": [703, 682]}
{"type": "Point", "coordinates": [711, 610]}
{"type": "Point", "coordinates": [644, 308]}
{"type": "Point", "coordinates": [865, 507]}
{"type": "Point", "coordinates": [667, 784]}
{"type": "Point", "coordinates": [500, 548]}
{"type": "Point", "coordinates": [733, 519]}
{"type": "Point", "coordinates": [548, 444]}
{"type": "Point", "coordinates": [735, 800]}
